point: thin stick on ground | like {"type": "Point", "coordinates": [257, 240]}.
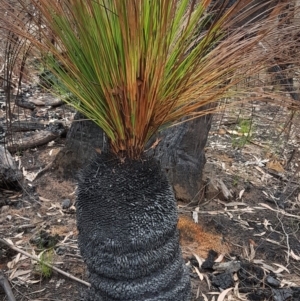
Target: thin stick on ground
{"type": "Point", "coordinates": [6, 287]}
{"type": "Point", "coordinates": [45, 263]}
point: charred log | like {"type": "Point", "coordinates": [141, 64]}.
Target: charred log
{"type": "Point", "coordinates": [42, 137]}
{"type": "Point", "coordinates": [22, 126]}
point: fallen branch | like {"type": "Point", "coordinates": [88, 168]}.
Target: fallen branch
{"type": "Point", "coordinates": [284, 213]}
{"type": "Point", "coordinates": [53, 103]}
{"type": "Point", "coordinates": [40, 138]}
{"type": "Point", "coordinates": [22, 126]}
{"type": "Point", "coordinates": [44, 263]}
{"type": "Point", "coordinates": [20, 102]}
{"type": "Point", "coordinates": [6, 287]}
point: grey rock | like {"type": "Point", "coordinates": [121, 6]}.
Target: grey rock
{"type": "Point", "coordinates": [5, 209]}
{"type": "Point", "coordinates": [229, 266]}
{"type": "Point", "coordinates": [66, 203]}
{"type": "Point", "coordinates": [60, 250]}
{"type": "Point", "coordinates": [223, 280]}
{"type": "Point", "coordinates": [282, 294]}
{"type": "Point", "coordinates": [272, 281]}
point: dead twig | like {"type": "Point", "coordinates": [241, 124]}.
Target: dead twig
{"type": "Point", "coordinates": [6, 287]}
{"type": "Point", "coordinates": [42, 171]}
{"type": "Point", "coordinates": [45, 263]}
{"type": "Point", "coordinates": [280, 211]}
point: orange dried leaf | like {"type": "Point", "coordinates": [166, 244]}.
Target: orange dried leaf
{"type": "Point", "coordinates": [275, 165]}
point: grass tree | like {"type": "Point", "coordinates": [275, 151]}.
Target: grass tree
{"type": "Point", "coordinates": [135, 67]}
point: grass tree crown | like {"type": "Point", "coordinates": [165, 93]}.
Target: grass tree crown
{"type": "Point", "coordinates": [135, 66]}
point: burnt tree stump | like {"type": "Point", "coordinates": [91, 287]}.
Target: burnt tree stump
{"type": "Point", "coordinates": [10, 175]}
{"type": "Point", "coordinates": [180, 152]}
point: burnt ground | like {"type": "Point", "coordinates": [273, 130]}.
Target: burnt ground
{"type": "Point", "coordinates": [252, 199]}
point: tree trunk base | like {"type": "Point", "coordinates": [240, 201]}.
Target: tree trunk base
{"type": "Point", "coordinates": [128, 237]}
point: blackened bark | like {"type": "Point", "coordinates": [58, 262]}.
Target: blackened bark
{"type": "Point", "coordinates": [182, 157]}
{"type": "Point", "coordinates": [180, 152]}
{"type": "Point", "coordinates": [10, 175]}
{"type": "Point", "coordinates": [84, 141]}
{"type": "Point", "coordinates": [127, 217]}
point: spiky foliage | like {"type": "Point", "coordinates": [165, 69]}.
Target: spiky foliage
{"type": "Point", "coordinates": [133, 66]}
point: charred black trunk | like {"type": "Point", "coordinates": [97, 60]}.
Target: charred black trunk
{"type": "Point", "coordinates": [182, 157]}
{"type": "Point", "coordinates": [127, 217]}
{"type": "Point", "coordinates": [180, 152]}
{"type": "Point", "coordinates": [84, 140]}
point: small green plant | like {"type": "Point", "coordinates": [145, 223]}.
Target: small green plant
{"type": "Point", "coordinates": [244, 132]}
{"type": "Point", "coordinates": [235, 180]}
{"type": "Point", "coordinates": [245, 126]}
{"type": "Point", "coordinates": [46, 258]}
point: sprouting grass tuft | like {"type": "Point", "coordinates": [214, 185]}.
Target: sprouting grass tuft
{"type": "Point", "coordinates": [46, 259]}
